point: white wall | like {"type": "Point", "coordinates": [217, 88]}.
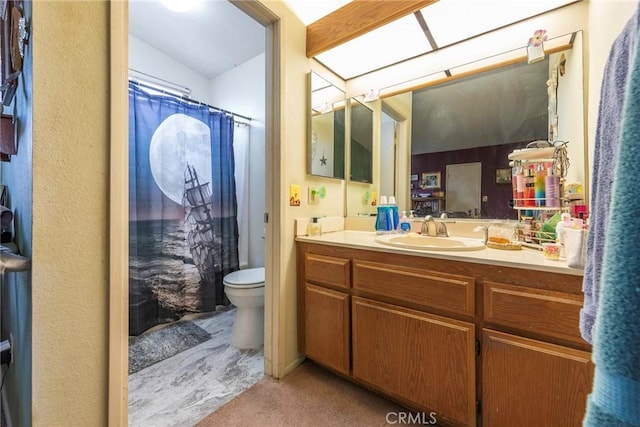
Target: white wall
{"type": "Point", "coordinates": [242, 90]}
{"type": "Point", "coordinates": [607, 18]}
{"type": "Point", "coordinates": [571, 119]}
{"type": "Point", "coordinates": [147, 59]}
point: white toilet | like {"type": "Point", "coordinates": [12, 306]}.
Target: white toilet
{"type": "Point", "coordinates": [245, 290]}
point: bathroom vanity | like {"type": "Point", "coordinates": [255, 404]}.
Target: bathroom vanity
{"type": "Point", "coordinates": [485, 337]}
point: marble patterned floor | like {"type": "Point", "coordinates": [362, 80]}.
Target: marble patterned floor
{"type": "Point", "coordinates": [185, 388]}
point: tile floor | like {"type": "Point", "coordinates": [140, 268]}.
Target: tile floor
{"type": "Point", "coordinates": [184, 389]}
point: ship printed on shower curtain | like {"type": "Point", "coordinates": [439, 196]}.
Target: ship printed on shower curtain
{"type": "Point", "coordinates": [202, 238]}
{"type": "Point", "coordinates": [183, 232]}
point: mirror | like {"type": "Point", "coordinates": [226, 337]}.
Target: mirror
{"type": "Point", "coordinates": [477, 121]}
{"type": "Point", "coordinates": [361, 154]}
{"type": "Point", "coordinates": [326, 140]}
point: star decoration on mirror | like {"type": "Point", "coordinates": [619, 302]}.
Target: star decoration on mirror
{"type": "Point", "coordinates": [323, 160]}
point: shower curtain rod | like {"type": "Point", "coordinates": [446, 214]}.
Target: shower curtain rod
{"type": "Point", "coordinates": [154, 86]}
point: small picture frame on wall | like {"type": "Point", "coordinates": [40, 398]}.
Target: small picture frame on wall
{"type": "Point", "coordinates": [13, 36]}
{"type": "Point", "coordinates": [503, 176]}
{"type": "Point", "coordinates": [430, 180]}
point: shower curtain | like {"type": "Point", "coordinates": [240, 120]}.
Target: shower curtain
{"type": "Point", "coordinates": [183, 231]}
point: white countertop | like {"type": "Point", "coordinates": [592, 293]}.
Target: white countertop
{"type": "Point", "coordinates": [526, 258]}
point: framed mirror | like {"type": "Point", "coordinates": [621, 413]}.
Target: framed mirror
{"type": "Point", "coordinates": [361, 142]}
{"type": "Point", "coordinates": [467, 121]}
{"type": "Point", "coordinates": [326, 134]}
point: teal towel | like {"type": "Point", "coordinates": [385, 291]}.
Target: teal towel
{"type": "Point", "coordinates": [615, 398]}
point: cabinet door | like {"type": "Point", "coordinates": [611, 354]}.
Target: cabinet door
{"type": "Point", "coordinates": [327, 327]}
{"type": "Point", "coordinates": [424, 359]}
{"type": "Point", "coordinates": [532, 383]}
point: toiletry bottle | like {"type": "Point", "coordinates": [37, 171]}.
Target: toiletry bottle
{"type": "Point", "coordinates": [313, 227]}
{"type": "Point", "coordinates": [564, 223]}
{"type": "Point", "coordinates": [384, 217]}
{"type": "Point", "coordinates": [514, 185]}
{"type": "Point", "coordinates": [529, 187]}
{"type": "Point", "coordinates": [539, 188]}
{"type": "Point", "coordinates": [394, 213]}
{"type": "Point", "coordinates": [520, 187]}
{"type": "Point", "coordinates": [405, 225]}
{"type": "Point", "coordinates": [552, 189]}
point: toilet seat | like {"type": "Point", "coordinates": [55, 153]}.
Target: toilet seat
{"type": "Point", "coordinates": [245, 279]}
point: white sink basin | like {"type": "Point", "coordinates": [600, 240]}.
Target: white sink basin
{"type": "Point", "coordinates": [417, 241]}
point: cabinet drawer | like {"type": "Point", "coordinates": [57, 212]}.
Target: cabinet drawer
{"type": "Point", "coordinates": [448, 292]}
{"type": "Point", "coordinates": [550, 313]}
{"type": "Point", "coordinates": [327, 270]}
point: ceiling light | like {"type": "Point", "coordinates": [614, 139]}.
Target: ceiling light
{"type": "Point", "coordinates": [372, 95]}
{"type": "Point", "coordinates": [323, 109]}
{"type": "Point", "coordinates": [181, 5]}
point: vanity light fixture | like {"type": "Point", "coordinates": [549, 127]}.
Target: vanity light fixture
{"type": "Point", "coordinates": [324, 108]}
{"type": "Point", "coordinates": [372, 95]}
{"type": "Point", "coordinates": [535, 47]}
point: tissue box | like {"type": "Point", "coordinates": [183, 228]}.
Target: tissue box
{"type": "Point", "coordinates": [576, 247]}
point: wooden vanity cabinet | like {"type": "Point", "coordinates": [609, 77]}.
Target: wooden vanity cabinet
{"type": "Point", "coordinates": [327, 328]}
{"type": "Point", "coordinates": [474, 344]}
{"type": "Point", "coordinates": [416, 357]}
{"type": "Point", "coordinates": [327, 338]}
{"type": "Point", "coordinates": [536, 369]}
{"type": "Point", "coordinates": [529, 382]}
{"type": "Point", "coordinates": [385, 325]}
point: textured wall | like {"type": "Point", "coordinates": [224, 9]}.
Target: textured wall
{"type": "Point", "coordinates": [70, 212]}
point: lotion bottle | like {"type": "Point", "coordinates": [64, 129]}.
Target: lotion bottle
{"type": "Point", "coordinates": [405, 225]}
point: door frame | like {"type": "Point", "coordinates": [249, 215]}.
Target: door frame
{"type": "Point", "coordinates": [274, 347]}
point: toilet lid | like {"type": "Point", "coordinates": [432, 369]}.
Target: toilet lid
{"type": "Point", "coordinates": [250, 278]}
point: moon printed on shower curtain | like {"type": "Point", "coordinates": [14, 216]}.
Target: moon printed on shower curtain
{"type": "Point", "coordinates": [179, 140]}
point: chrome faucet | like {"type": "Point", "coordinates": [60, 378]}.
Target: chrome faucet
{"type": "Point", "coordinates": [434, 229]}
{"type": "Point", "coordinates": [485, 228]}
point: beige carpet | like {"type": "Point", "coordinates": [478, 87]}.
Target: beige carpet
{"type": "Point", "coordinates": [308, 396]}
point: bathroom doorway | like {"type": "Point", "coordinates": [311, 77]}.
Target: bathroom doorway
{"type": "Point", "coordinates": [463, 188]}
{"type": "Point", "coordinates": [117, 370]}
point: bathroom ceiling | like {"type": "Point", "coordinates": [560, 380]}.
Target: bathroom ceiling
{"type": "Point", "coordinates": [212, 38]}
